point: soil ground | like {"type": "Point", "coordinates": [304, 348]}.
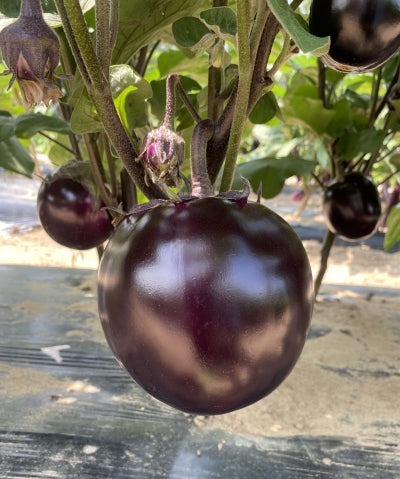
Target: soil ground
{"type": "Point", "coordinates": [347, 381]}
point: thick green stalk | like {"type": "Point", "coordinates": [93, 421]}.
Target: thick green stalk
{"type": "Point", "coordinates": [201, 185]}
{"type": "Point", "coordinates": [103, 33]}
{"type": "Point", "coordinates": [84, 42]}
{"type": "Point", "coordinates": [242, 100]}
{"type": "Point", "coordinates": [98, 87]}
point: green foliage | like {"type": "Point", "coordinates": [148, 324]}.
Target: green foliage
{"type": "Point", "coordinates": [13, 154]}
{"type": "Point", "coordinates": [271, 173]}
{"type": "Point", "coordinates": [318, 121]}
{"type": "Point", "coordinates": [143, 21]}
{"type": "Point", "coordinates": [289, 20]}
{"type": "Point", "coordinates": [393, 228]}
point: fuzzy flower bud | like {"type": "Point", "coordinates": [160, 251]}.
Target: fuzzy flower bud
{"type": "Point", "coordinates": [163, 154]}
{"type": "Point", "coordinates": [31, 51]}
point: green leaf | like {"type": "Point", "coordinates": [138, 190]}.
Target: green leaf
{"type": "Point", "coordinates": [53, 19]}
{"type": "Point", "coordinates": [15, 158]}
{"type": "Point", "coordinates": [271, 173]}
{"type": "Point", "coordinates": [124, 76]}
{"type": "Point", "coordinates": [84, 118]}
{"type": "Point", "coordinates": [157, 101]}
{"type": "Point", "coordinates": [392, 235]}
{"type": "Point", "coordinates": [307, 42]}
{"type": "Point", "coordinates": [222, 20]}
{"type": "Point", "coordinates": [189, 31]}
{"type": "Point", "coordinates": [265, 109]}
{"type": "Point", "coordinates": [308, 112]}
{"type": "Point", "coordinates": [7, 125]}
{"type": "Point", "coordinates": [167, 61]}
{"type": "Point", "coordinates": [29, 124]}
{"type": "Point", "coordinates": [342, 119]}
{"type": "Point", "coordinates": [395, 161]}
{"type": "Point", "coordinates": [351, 143]}
{"type": "Point", "coordinates": [142, 21]}
{"type": "Point", "coordinates": [130, 92]}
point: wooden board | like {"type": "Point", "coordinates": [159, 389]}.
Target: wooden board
{"type": "Point", "coordinates": [69, 411]}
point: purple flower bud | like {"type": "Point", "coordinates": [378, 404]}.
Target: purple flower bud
{"type": "Point", "coordinates": [298, 195]}
{"type": "Point", "coordinates": [30, 49]}
{"type": "Point", "coordinates": [163, 154]}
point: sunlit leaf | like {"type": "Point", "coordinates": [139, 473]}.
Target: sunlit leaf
{"type": "Point", "coordinates": [307, 42]}
{"type": "Point", "coordinates": [141, 21]}
{"type": "Point", "coordinates": [392, 235]}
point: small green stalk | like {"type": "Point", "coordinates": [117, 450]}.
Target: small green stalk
{"type": "Point", "coordinates": [243, 94]}
{"type": "Point", "coordinates": [329, 240]}
{"type": "Point", "coordinates": [201, 184]}
{"type": "Point", "coordinates": [31, 8]}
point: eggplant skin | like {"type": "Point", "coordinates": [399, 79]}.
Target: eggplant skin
{"type": "Point", "coordinates": [364, 33]}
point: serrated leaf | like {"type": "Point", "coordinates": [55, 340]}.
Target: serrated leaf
{"type": "Point", "coordinates": [307, 42]}
{"type": "Point", "coordinates": [189, 31]}
{"type": "Point", "coordinates": [15, 158]}
{"type": "Point", "coordinates": [271, 173]}
{"type": "Point", "coordinates": [29, 124]}
{"type": "Point", "coordinates": [392, 235]}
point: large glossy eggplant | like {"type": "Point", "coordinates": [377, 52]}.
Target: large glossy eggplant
{"type": "Point", "coordinates": [364, 33]}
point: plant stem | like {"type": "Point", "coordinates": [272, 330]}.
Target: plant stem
{"type": "Point", "coordinates": [325, 252]}
{"type": "Point", "coordinates": [191, 109]}
{"type": "Point", "coordinates": [322, 83]}
{"type": "Point", "coordinates": [243, 94]}
{"type": "Point", "coordinates": [374, 96]}
{"type": "Point", "coordinates": [143, 67]}
{"type": "Point", "coordinates": [45, 135]}
{"type": "Point", "coordinates": [215, 105]}
{"type": "Point", "coordinates": [110, 163]}
{"type": "Point", "coordinates": [258, 28]}
{"type": "Point", "coordinates": [98, 172]}
{"type": "Point", "coordinates": [31, 8]}
{"type": "Point", "coordinates": [99, 89]}
{"type": "Point", "coordinates": [129, 192]}
{"type": "Point", "coordinates": [103, 33]}
{"type": "Point", "coordinates": [84, 42]}
{"type": "Point", "coordinates": [201, 185]}
{"type": "Point", "coordinates": [170, 103]}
